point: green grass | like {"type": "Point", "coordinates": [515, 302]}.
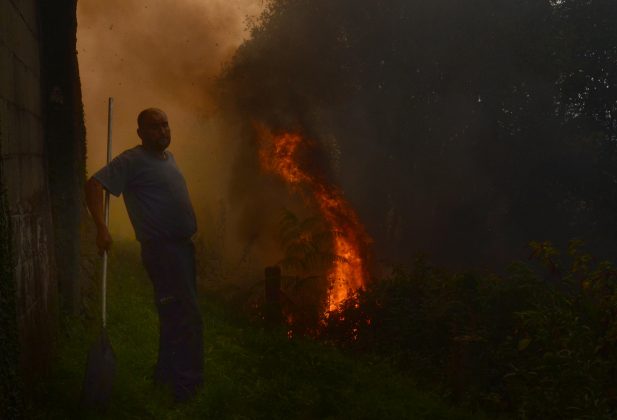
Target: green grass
{"type": "Point", "coordinates": [251, 372]}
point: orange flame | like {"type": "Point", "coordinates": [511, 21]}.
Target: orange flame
{"type": "Point", "coordinates": [349, 272]}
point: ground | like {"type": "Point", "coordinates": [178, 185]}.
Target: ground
{"type": "Point", "coordinates": [251, 372]}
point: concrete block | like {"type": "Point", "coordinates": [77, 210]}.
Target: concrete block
{"type": "Point", "coordinates": [34, 140]}
{"type": "Point", "coordinates": [10, 132]}
{"type": "Point", "coordinates": [27, 88]}
{"type": "Point", "coordinates": [26, 182]}
{"type": "Point", "coordinates": [6, 11]}
{"type": "Point", "coordinates": [28, 11]}
{"type": "Point", "coordinates": [22, 131]}
{"type": "Point", "coordinates": [11, 23]}
{"type": "Point", "coordinates": [31, 239]}
{"type": "Point", "coordinates": [9, 129]}
{"type": "Point", "coordinates": [18, 37]}
{"type": "Point", "coordinates": [7, 80]}
{"type": "Point", "coordinates": [28, 137]}
{"type": "Point", "coordinates": [4, 122]}
{"type": "Point", "coordinates": [6, 127]}
{"type": "Point", "coordinates": [28, 51]}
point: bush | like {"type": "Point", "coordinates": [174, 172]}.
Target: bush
{"type": "Point", "coordinates": [538, 340]}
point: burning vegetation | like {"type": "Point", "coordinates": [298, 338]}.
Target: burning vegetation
{"type": "Point", "coordinates": [280, 154]}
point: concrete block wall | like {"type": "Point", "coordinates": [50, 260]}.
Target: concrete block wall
{"type": "Point", "coordinates": [24, 162]}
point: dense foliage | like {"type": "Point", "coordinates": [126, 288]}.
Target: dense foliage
{"type": "Point", "coordinates": [539, 341]}
{"type": "Point", "coordinates": [461, 129]}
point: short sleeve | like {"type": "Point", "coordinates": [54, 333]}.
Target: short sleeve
{"type": "Point", "coordinates": [115, 175]}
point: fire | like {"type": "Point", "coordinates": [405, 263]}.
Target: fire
{"type": "Point", "coordinates": [278, 154]}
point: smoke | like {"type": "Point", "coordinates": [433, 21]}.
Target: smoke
{"type": "Point", "coordinates": [165, 54]}
{"type": "Point", "coordinates": [457, 130]}
{"type": "Point", "coordinates": [453, 130]}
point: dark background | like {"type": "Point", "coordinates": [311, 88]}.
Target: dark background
{"type": "Point", "coordinates": [461, 130]}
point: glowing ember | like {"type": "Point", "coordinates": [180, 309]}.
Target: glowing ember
{"type": "Point", "coordinates": [279, 154]}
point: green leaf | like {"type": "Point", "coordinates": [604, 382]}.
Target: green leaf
{"type": "Point", "coordinates": [523, 344]}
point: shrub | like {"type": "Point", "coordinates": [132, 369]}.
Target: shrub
{"type": "Point", "coordinates": [538, 340]}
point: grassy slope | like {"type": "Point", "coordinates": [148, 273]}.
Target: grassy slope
{"type": "Point", "coordinates": [251, 373]}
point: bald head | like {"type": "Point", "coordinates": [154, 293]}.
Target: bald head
{"type": "Point", "coordinates": [143, 115]}
{"type": "Point", "coordinates": [153, 129]}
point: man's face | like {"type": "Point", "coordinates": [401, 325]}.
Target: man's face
{"type": "Point", "coordinates": [154, 131]}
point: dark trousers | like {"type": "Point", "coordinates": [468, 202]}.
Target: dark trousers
{"type": "Point", "coordinates": [171, 267]}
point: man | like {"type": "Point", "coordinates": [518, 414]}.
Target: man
{"type": "Point", "coordinates": [161, 213]}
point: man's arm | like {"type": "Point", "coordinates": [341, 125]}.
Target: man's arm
{"type": "Point", "coordinates": [94, 201]}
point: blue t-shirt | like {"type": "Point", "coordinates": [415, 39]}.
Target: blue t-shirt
{"type": "Point", "coordinates": [154, 192]}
